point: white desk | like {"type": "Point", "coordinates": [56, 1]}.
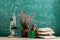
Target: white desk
{"type": "Point", "coordinates": [6, 38]}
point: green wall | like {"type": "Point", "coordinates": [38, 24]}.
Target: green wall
{"type": "Point", "coordinates": [47, 14]}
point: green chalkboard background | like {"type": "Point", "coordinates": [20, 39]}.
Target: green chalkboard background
{"type": "Point", "coordinates": [46, 14]}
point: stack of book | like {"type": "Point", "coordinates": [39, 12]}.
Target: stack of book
{"type": "Point", "coordinates": [45, 33]}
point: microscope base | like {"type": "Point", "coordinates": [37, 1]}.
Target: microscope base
{"type": "Point", "coordinates": [14, 36]}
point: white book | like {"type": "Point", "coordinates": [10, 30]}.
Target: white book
{"type": "Point", "coordinates": [47, 36]}
{"type": "Point", "coordinates": [45, 29]}
{"type": "Point", "coordinates": [49, 32]}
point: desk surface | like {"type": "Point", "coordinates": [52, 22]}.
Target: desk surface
{"type": "Point", "coordinates": [6, 38]}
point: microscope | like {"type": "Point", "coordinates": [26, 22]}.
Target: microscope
{"type": "Point", "coordinates": [13, 26]}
